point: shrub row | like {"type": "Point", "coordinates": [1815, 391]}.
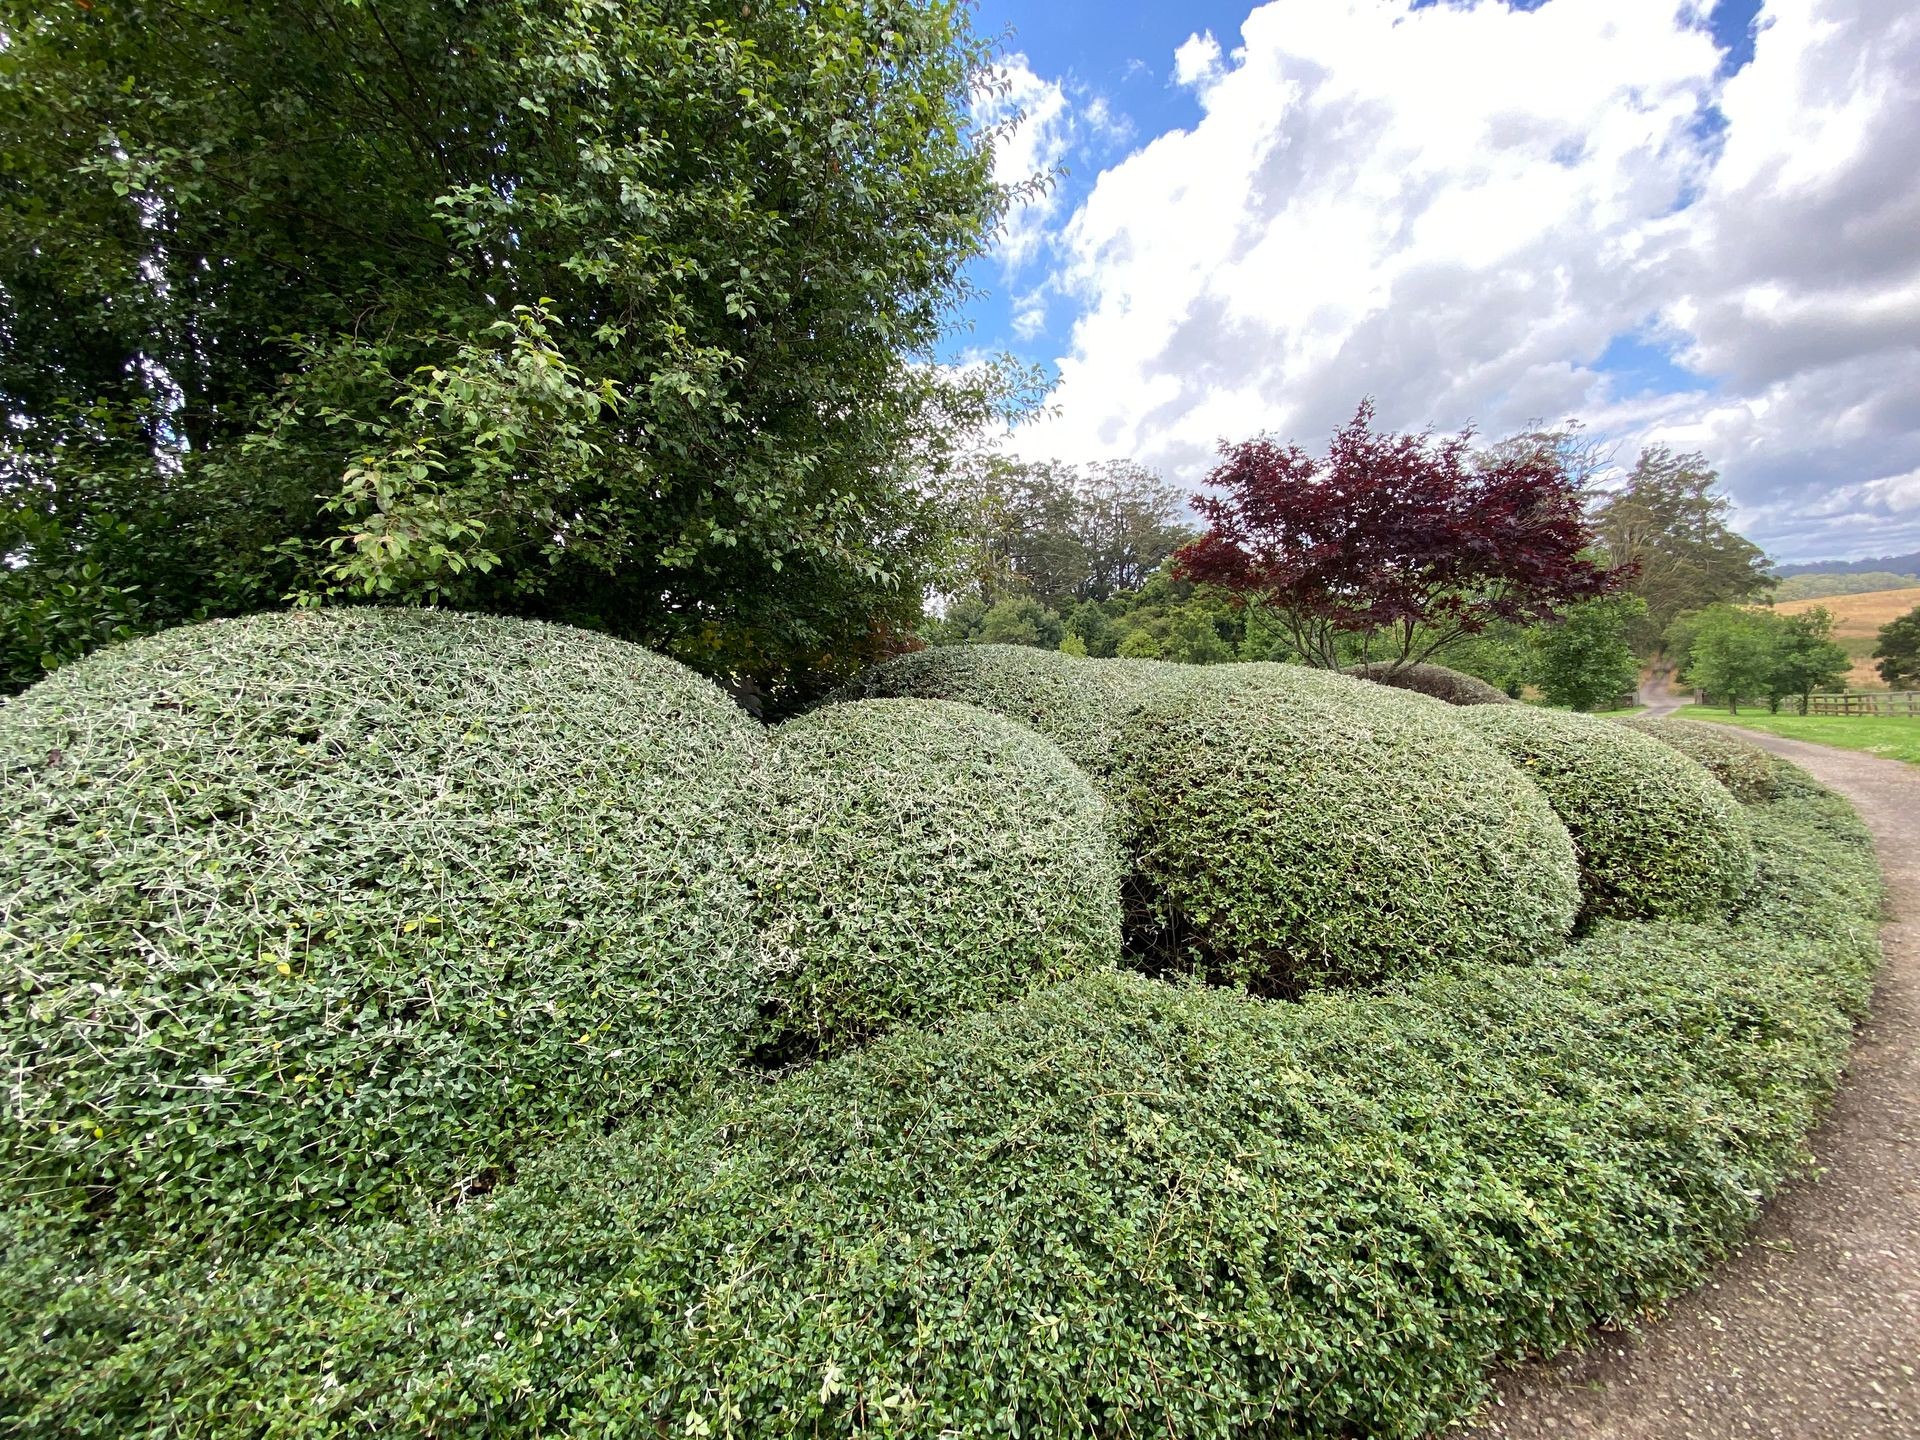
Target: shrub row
{"type": "Point", "coordinates": [317, 913]}
{"type": "Point", "coordinates": [1117, 1204]}
{"type": "Point", "coordinates": [1455, 687]}
{"type": "Point", "coordinates": [1290, 828]}
{"type": "Point", "coordinates": [1744, 768]}
{"type": "Point", "coordinates": [1656, 836]}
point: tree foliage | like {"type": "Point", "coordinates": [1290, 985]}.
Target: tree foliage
{"type": "Point", "coordinates": [1585, 661]}
{"type": "Point", "coordinates": [1739, 653]}
{"type": "Point", "coordinates": [1669, 524]}
{"type": "Point", "coordinates": [1405, 541]}
{"type": "Point", "coordinates": [1899, 650]}
{"type": "Point", "coordinates": [589, 311]}
{"type": "Point", "coordinates": [1063, 534]}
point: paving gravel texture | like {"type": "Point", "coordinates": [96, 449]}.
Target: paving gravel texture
{"type": "Point", "coordinates": [1812, 1332]}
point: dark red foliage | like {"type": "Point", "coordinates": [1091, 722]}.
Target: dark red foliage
{"type": "Point", "coordinates": [1410, 537]}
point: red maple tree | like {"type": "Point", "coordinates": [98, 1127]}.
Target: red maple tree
{"type": "Point", "coordinates": [1408, 541]}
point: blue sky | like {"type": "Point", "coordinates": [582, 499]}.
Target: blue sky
{"type": "Point", "coordinates": [1679, 221]}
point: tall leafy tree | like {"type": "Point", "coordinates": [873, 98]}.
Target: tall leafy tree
{"type": "Point", "coordinates": [1670, 524]}
{"type": "Point", "coordinates": [1898, 651]}
{"type": "Point", "coordinates": [1584, 661]}
{"type": "Point", "coordinates": [1063, 533]}
{"type": "Point", "coordinates": [599, 311]}
{"type": "Point", "coordinates": [1406, 543]}
{"type": "Point", "coordinates": [1807, 657]}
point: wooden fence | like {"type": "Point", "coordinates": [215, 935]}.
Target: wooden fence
{"type": "Point", "coordinates": [1858, 702]}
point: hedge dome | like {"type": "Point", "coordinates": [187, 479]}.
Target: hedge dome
{"type": "Point", "coordinates": [1744, 768]}
{"type": "Point", "coordinates": [1453, 686]}
{"type": "Point", "coordinates": [1656, 835]}
{"type": "Point", "coordinates": [1054, 694]}
{"type": "Point", "coordinates": [932, 859]}
{"type": "Point", "coordinates": [306, 911]}
{"type": "Point", "coordinates": [1289, 829]}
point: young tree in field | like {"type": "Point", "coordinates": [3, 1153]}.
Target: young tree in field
{"type": "Point", "coordinates": [1730, 653]}
{"type": "Point", "coordinates": [1737, 653]}
{"type": "Point", "coordinates": [597, 312]}
{"type": "Point", "coordinates": [1898, 651]}
{"type": "Point", "coordinates": [1584, 661]}
{"type": "Point", "coordinates": [1401, 541]}
{"type": "Point", "coordinates": [1806, 657]}
{"type": "Point", "coordinates": [1668, 522]}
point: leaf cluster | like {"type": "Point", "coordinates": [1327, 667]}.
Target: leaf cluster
{"type": "Point", "coordinates": [1898, 651]}
{"type": "Point", "coordinates": [1745, 769]}
{"type": "Point", "coordinates": [1403, 540]}
{"type": "Point", "coordinates": [1290, 829]}
{"type": "Point", "coordinates": [1438, 681]}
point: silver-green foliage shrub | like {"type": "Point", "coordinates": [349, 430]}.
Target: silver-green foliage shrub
{"type": "Point", "coordinates": [1291, 828]}
{"type": "Point", "coordinates": [928, 858]}
{"type": "Point", "coordinates": [1044, 690]}
{"type": "Point", "coordinates": [1744, 768]}
{"type": "Point", "coordinates": [1115, 1205]}
{"type": "Point", "coordinates": [308, 912]}
{"type": "Point", "coordinates": [1657, 836]}
{"type": "Point", "coordinates": [1456, 687]}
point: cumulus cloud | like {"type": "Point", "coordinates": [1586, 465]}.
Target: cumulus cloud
{"type": "Point", "coordinates": [1198, 60]}
{"type": "Point", "coordinates": [1457, 209]}
{"type": "Point", "coordinates": [1032, 123]}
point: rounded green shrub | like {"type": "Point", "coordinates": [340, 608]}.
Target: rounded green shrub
{"type": "Point", "coordinates": [1453, 686]}
{"type": "Point", "coordinates": [1054, 694]}
{"type": "Point", "coordinates": [1744, 768]}
{"type": "Point", "coordinates": [930, 858]}
{"type": "Point", "coordinates": [1657, 836]}
{"type": "Point", "coordinates": [307, 912]}
{"type": "Point", "coordinates": [1291, 828]}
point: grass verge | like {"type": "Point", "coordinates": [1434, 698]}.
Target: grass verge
{"type": "Point", "coordinates": [1896, 737]}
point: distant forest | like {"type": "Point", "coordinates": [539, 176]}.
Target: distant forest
{"type": "Point", "coordinates": [1908, 564]}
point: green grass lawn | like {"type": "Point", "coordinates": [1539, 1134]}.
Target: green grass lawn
{"type": "Point", "coordinates": [1892, 735]}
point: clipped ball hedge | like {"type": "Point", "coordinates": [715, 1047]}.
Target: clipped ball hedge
{"type": "Point", "coordinates": [929, 858]}
{"type": "Point", "coordinates": [1291, 828]}
{"type": "Point", "coordinates": [1657, 836]}
{"type": "Point", "coordinates": [1453, 686]}
{"type": "Point", "coordinates": [1115, 1206]}
{"type": "Point", "coordinates": [1744, 768]}
{"type": "Point", "coordinates": [1054, 694]}
{"type": "Point", "coordinates": [309, 912]}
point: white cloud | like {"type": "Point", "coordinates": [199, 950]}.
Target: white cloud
{"type": "Point", "coordinates": [1198, 61]}
{"type": "Point", "coordinates": [1030, 314]}
{"type": "Point", "coordinates": [1456, 209]}
{"type": "Point", "coordinates": [1035, 124]}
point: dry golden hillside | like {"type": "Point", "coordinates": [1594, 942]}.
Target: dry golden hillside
{"type": "Point", "coordinates": [1856, 624]}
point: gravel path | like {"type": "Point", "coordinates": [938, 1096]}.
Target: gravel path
{"type": "Point", "coordinates": [1813, 1331]}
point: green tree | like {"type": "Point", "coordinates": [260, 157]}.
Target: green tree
{"type": "Point", "coordinates": [1584, 661]}
{"type": "Point", "coordinates": [600, 312]}
{"type": "Point", "coordinates": [1669, 522]}
{"type": "Point", "coordinates": [1898, 651]}
{"type": "Point", "coordinates": [1020, 620]}
{"type": "Point", "coordinates": [1731, 652]}
{"type": "Point", "coordinates": [1806, 656]}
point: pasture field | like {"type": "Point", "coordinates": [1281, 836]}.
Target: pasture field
{"type": "Point", "coordinates": [1895, 737]}
{"type": "Point", "coordinates": [1856, 626]}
